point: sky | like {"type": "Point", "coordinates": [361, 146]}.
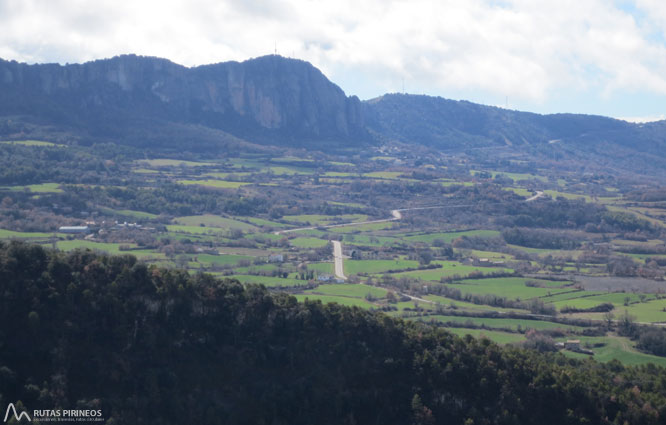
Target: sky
{"type": "Point", "coordinates": [600, 57]}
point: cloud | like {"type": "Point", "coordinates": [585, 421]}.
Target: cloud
{"type": "Point", "coordinates": [532, 50]}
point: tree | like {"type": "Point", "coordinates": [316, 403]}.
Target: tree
{"type": "Point", "coordinates": [421, 414]}
{"type": "Point", "coordinates": [626, 325]}
{"type": "Point", "coordinates": [608, 317]}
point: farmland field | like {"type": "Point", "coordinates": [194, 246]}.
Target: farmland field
{"type": "Point", "coordinates": [513, 324]}
{"type": "Point", "coordinates": [377, 266]}
{"type": "Point", "coordinates": [109, 248]}
{"type": "Point", "coordinates": [269, 280]}
{"type": "Point", "coordinates": [443, 262]}
{"type": "Point", "coordinates": [8, 234]}
{"type": "Point", "coordinates": [212, 221]}
{"type": "Point", "coordinates": [348, 301]}
{"type": "Point", "coordinates": [351, 290]}
{"type": "Point", "coordinates": [162, 162]}
{"type": "Point", "coordinates": [219, 184]}
{"type": "Point", "coordinates": [308, 242]}
{"type": "Point", "coordinates": [509, 287]}
{"type": "Point", "coordinates": [450, 269]}
{"type": "Point", "coordinates": [449, 237]}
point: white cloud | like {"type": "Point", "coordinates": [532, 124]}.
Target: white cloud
{"type": "Point", "coordinates": [526, 49]}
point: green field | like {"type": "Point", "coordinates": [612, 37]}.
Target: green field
{"type": "Point", "coordinates": [501, 323]}
{"type": "Point", "coordinates": [449, 269]}
{"type": "Point", "coordinates": [617, 299]}
{"type": "Point", "coordinates": [286, 171]}
{"type": "Point", "coordinates": [368, 240]}
{"type": "Point", "coordinates": [128, 213]}
{"type": "Point", "coordinates": [218, 184]}
{"type": "Point", "coordinates": [557, 194]}
{"type": "Point", "coordinates": [264, 223]}
{"type": "Point", "coordinates": [209, 220]}
{"type": "Point", "coordinates": [318, 219]}
{"type": "Point", "coordinates": [448, 237]}
{"type": "Point", "coordinates": [348, 301]}
{"type": "Point", "coordinates": [569, 295]}
{"type": "Point", "coordinates": [376, 266]}
{"type": "Point", "coordinates": [322, 268]}
{"type": "Point", "coordinates": [462, 305]}
{"type": "Point", "coordinates": [269, 281]}
{"type": "Point", "coordinates": [368, 227]}
{"type": "Point", "coordinates": [221, 260]}
{"type": "Point", "coordinates": [40, 188]}
{"type": "Point", "coordinates": [389, 175]}
{"type": "Point", "coordinates": [225, 176]}
{"type": "Point", "coordinates": [109, 248]}
{"type": "Point", "coordinates": [508, 287]}
{"type": "Point", "coordinates": [146, 254]}
{"type": "Point", "coordinates": [616, 348]}
{"type": "Point", "coordinates": [651, 311]}
{"type": "Point", "coordinates": [291, 159]}
{"type": "Point", "coordinates": [172, 163]}
{"type": "Point", "coordinates": [348, 290]}
{"type": "Point", "coordinates": [308, 242]}
{"type": "Point", "coordinates": [10, 234]}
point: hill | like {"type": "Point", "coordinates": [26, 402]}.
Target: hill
{"type": "Point", "coordinates": [149, 345]}
{"type": "Point", "coordinates": [461, 126]}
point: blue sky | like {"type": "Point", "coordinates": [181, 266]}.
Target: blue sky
{"type": "Point", "coordinates": [585, 56]}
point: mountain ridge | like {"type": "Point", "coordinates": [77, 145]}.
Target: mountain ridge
{"type": "Point", "coordinates": [277, 101]}
{"type": "Point", "coordinates": [266, 98]}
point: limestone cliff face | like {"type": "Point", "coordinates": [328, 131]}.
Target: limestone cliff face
{"type": "Point", "coordinates": [269, 96]}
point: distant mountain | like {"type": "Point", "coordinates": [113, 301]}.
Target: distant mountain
{"type": "Point", "coordinates": [448, 125]}
{"type": "Point", "coordinates": [269, 99]}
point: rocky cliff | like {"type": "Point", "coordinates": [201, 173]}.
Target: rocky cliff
{"type": "Point", "coordinates": [270, 98]}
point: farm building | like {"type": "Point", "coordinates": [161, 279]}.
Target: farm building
{"type": "Point", "coordinates": [572, 344]}
{"type": "Point", "coordinates": [325, 277]}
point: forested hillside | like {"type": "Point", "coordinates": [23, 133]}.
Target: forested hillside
{"type": "Point", "coordinates": [149, 345]}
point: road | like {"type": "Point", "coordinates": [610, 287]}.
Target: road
{"type": "Point", "coordinates": [396, 215]}
{"type": "Point", "coordinates": [538, 195]}
{"type": "Point", "coordinates": [337, 246]}
{"type": "Point", "coordinates": [337, 256]}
